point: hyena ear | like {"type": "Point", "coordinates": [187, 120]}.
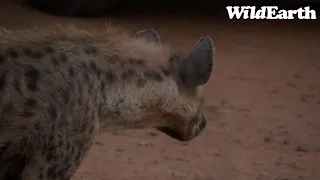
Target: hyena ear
{"type": "Point", "coordinates": [196, 67]}
{"type": "Point", "coordinates": [150, 35]}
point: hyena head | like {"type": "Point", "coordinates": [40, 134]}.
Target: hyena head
{"type": "Point", "coordinates": [190, 72]}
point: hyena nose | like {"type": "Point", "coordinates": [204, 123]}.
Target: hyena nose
{"type": "Point", "coordinates": [203, 122]}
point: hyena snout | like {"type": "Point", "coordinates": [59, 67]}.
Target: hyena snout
{"type": "Point", "coordinates": [186, 131]}
{"type": "Point", "coordinates": [203, 123]}
{"type": "Point", "coordinates": [195, 127]}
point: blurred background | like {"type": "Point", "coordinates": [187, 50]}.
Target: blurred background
{"type": "Point", "coordinates": [103, 7]}
{"type": "Point", "coordinates": [262, 100]}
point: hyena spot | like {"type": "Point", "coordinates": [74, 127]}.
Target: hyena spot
{"type": "Point", "coordinates": [53, 112]}
{"type": "Point", "coordinates": [68, 146]}
{"type": "Point", "coordinates": [102, 86]}
{"type": "Point", "coordinates": [120, 101]}
{"type": "Point", "coordinates": [54, 61]}
{"type": "Point", "coordinates": [84, 66]}
{"type": "Point", "coordinates": [50, 156]}
{"type": "Point", "coordinates": [26, 114]}
{"type": "Point", "coordinates": [63, 57]}
{"type": "Point", "coordinates": [49, 49]}
{"type": "Point", "coordinates": [111, 60]}
{"type": "Point", "coordinates": [166, 72]}
{"type": "Point", "coordinates": [66, 95]}
{"type": "Point", "coordinates": [4, 146]}
{"type": "Point", "coordinates": [90, 50]}
{"type": "Point", "coordinates": [52, 171]}
{"type": "Point", "coordinates": [3, 80]}
{"type": "Point", "coordinates": [13, 53]}
{"type": "Point", "coordinates": [153, 76]}
{"type": "Point", "coordinates": [117, 112]}
{"type": "Point", "coordinates": [79, 101]}
{"type": "Point", "coordinates": [31, 103]}
{"type": "Point", "coordinates": [37, 55]}
{"type": "Point", "coordinates": [33, 54]}
{"type": "Point", "coordinates": [8, 109]}
{"type": "Point", "coordinates": [128, 74]}
{"type": "Point", "coordinates": [136, 61]}
{"type": "Point", "coordinates": [141, 82]}
{"type": "Point", "coordinates": [32, 77]}
{"type": "Point", "coordinates": [17, 86]}
{"type": "Point", "coordinates": [100, 110]}
{"type": "Point", "coordinates": [2, 58]}
{"type": "Point", "coordinates": [71, 72]}
{"type": "Point", "coordinates": [37, 126]}
{"type": "Point", "coordinates": [109, 76]}
{"type": "Point", "coordinates": [98, 73]}
{"type": "Point", "coordinates": [93, 66]}
{"type": "Point", "coordinates": [140, 62]}
{"type": "Point", "coordinates": [27, 51]}
{"type": "Point", "coordinates": [86, 77]}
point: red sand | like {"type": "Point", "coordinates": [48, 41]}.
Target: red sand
{"type": "Point", "coordinates": [262, 102]}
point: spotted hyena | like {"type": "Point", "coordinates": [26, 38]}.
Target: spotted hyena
{"type": "Point", "coordinates": [60, 86]}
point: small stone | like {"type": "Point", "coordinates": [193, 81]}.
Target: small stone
{"type": "Point", "coordinates": [153, 134]}
{"type": "Point", "coordinates": [144, 143]}
{"type": "Point", "coordinates": [285, 142]}
{"type": "Point", "coordinates": [301, 149]}
{"type": "Point", "coordinates": [267, 139]}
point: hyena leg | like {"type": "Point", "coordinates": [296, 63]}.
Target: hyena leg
{"type": "Point", "coordinates": [47, 167]}
{"type": "Point", "coordinates": [57, 159]}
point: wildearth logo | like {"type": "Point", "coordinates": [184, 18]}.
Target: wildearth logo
{"type": "Point", "coordinates": [270, 12]}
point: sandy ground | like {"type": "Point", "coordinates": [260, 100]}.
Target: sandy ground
{"type": "Point", "coordinates": [262, 102]}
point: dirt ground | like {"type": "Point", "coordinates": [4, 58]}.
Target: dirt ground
{"type": "Point", "coordinates": [262, 103]}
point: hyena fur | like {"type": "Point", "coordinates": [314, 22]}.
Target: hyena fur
{"type": "Point", "coordinates": [60, 86]}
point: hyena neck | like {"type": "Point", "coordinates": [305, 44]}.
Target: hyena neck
{"type": "Point", "coordinates": [134, 110]}
{"type": "Point", "coordinates": [135, 83]}
{"type": "Point", "coordinates": [136, 102]}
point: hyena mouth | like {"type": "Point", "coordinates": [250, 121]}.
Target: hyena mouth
{"type": "Point", "coordinates": [194, 128]}
{"type": "Point", "coordinates": [203, 123]}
